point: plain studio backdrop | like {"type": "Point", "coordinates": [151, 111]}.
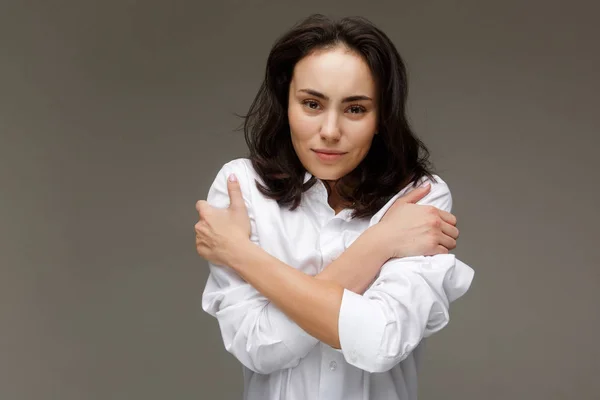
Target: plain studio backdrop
{"type": "Point", "coordinates": [115, 117]}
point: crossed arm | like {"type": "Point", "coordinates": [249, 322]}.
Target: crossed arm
{"type": "Point", "coordinates": [266, 308]}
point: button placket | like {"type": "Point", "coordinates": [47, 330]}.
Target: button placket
{"type": "Point", "coordinates": [333, 373]}
{"type": "Point", "coordinates": [329, 242]}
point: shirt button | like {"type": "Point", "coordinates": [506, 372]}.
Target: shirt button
{"type": "Point", "coordinates": [333, 365]}
{"type": "Point", "coordinates": [353, 356]}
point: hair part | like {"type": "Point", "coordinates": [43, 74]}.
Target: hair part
{"type": "Point", "coordinates": [397, 157]}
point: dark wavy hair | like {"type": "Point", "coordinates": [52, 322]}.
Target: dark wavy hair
{"type": "Point", "coordinates": [396, 157]}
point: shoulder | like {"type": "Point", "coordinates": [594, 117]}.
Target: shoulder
{"type": "Point", "coordinates": [439, 187]}
{"type": "Point", "coordinates": [244, 172]}
{"type": "Point", "coordinates": [238, 166]}
{"type": "Point", "coordinates": [439, 196]}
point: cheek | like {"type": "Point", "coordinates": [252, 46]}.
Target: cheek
{"type": "Point", "coordinates": [302, 126]}
{"type": "Point", "coordinates": [361, 134]}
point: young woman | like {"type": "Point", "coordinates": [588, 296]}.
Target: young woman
{"type": "Point", "coordinates": [325, 275]}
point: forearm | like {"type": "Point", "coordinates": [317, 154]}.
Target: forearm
{"type": "Point", "coordinates": [356, 268]}
{"type": "Point", "coordinates": [314, 304]}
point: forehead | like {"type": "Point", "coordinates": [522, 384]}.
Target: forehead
{"type": "Point", "coordinates": [335, 72]}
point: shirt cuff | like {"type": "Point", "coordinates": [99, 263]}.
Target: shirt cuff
{"type": "Point", "coordinates": [459, 282]}
{"type": "Point", "coordinates": [361, 326]}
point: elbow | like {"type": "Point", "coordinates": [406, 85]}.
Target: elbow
{"type": "Point", "coordinates": [381, 366]}
{"type": "Point", "coordinates": [262, 339]}
{"type": "Point", "coordinates": [379, 362]}
{"type": "Point", "coordinates": [261, 356]}
{"type": "Point", "coordinates": [385, 344]}
{"type": "Point", "coordinates": [275, 366]}
{"type": "Point", "coordinates": [261, 362]}
{"type": "Point", "coordinates": [267, 367]}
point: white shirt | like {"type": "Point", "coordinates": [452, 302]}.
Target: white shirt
{"type": "Point", "coordinates": [380, 331]}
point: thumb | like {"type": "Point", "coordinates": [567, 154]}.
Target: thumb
{"type": "Point", "coordinates": [202, 206]}
{"type": "Point", "coordinates": [236, 198]}
{"type": "Point", "coordinates": [416, 194]}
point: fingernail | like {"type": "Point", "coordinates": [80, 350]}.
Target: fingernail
{"type": "Point", "coordinates": [426, 185]}
{"type": "Point", "coordinates": [232, 178]}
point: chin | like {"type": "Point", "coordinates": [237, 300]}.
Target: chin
{"type": "Point", "coordinates": [325, 175]}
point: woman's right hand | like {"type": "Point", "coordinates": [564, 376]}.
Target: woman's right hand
{"type": "Point", "coordinates": [417, 230]}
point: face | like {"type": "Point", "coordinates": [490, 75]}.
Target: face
{"type": "Point", "coordinates": [332, 112]}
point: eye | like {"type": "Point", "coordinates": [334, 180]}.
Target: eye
{"type": "Point", "coordinates": [313, 105]}
{"type": "Point", "coordinates": [356, 109]}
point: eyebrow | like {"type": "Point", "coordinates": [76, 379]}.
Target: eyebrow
{"type": "Point", "coordinates": [344, 100]}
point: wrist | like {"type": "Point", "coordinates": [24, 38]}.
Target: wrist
{"type": "Point", "coordinates": [359, 265]}
{"type": "Point", "coordinates": [236, 251]}
{"type": "Point", "coordinates": [380, 240]}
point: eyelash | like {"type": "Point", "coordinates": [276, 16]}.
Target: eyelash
{"type": "Point", "coordinates": [308, 102]}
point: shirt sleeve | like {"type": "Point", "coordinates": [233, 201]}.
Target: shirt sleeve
{"type": "Point", "coordinates": [408, 301]}
{"type": "Point", "coordinates": [253, 329]}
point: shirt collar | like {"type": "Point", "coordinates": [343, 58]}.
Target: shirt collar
{"type": "Point", "coordinates": [318, 192]}
{"type": "Point", "coordinates": [307, 176]}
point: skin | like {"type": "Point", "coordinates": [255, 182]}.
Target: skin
{"type": "Point", "coordinates": [332, 107]}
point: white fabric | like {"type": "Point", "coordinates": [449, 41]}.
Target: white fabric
{"type": "Point", "coordinates": [380, 331]}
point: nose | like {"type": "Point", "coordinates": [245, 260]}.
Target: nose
{"type": "Point", "coordinates": [330, 129]}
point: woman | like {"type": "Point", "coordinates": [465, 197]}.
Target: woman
{"type": "Point", "coordinates": [317, 294]}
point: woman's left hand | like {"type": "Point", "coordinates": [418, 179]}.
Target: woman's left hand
{"type": "Point", "coordinates": [219, 231]}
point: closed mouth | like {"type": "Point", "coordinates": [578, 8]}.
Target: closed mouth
{"type": "Point", "coordinates": [329, 152]}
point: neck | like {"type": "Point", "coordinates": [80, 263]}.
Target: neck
{"type": "Point", "coordinates": [334, 199]}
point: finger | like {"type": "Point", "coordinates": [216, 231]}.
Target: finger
{"type": "Point", "coordinates": [448, 217]}
{"type": "Point", "coordinates": [201, 206]}
{"type": "Point", "coordinates": [415, 195]}
{"type": "Point", "coordinates": [450, 230]}
{"type": "Point", "coordinates": [235, 194]}
{"type": "Point", "coordinates": [447, 242]}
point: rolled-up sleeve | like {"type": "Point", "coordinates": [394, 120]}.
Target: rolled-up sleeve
{"type": "Point", "coordinates": [253, 329]}
{"type": "Point", "coordinates": [408, 301]}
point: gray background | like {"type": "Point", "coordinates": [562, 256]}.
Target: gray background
{"type": "Point", "coordinates": [116, 115]}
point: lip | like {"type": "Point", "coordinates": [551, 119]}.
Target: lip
{"type": "Point", "coordinates": [328, 155]}
{"type": "Point", "coordinates": [325, 151]}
